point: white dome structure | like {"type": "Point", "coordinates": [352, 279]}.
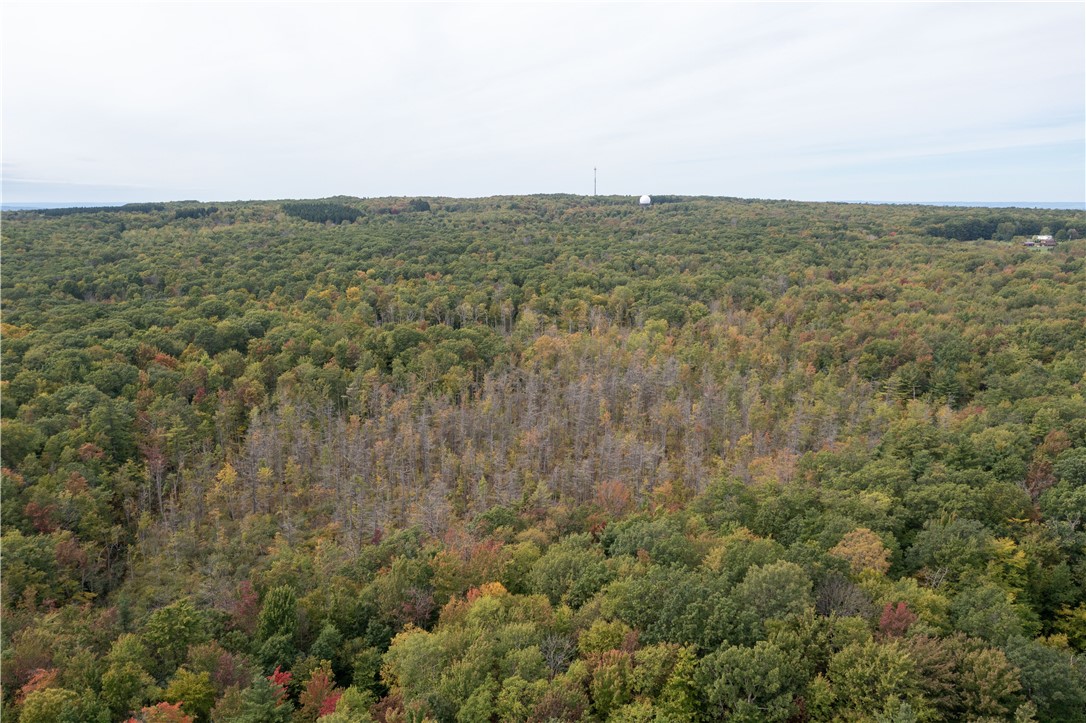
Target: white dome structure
{"type": "Point", "coordinates": [646, 200]}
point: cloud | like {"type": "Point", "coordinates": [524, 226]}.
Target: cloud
{"type": "Point", "coordinates": [248, 100]}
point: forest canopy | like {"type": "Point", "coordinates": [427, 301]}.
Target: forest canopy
{"type": "Point", "coordinates": [543, 458]}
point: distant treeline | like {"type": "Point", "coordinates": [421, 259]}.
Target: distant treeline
{"type": "Point", "coordinates": [199, 212]}
{"type": "Point", "coordinates": [322, 211]}
{"type": "Point", "coordinates": [127, 208]}
{"type": "Point", "coordinates": [999, 227]}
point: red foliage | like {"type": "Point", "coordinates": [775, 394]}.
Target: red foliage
{"type": "Point", "coordinates": [246, 608]}
{"type": "Point", "coordinates": [330, 703]}
{"type": "Point", "coordinates": [90, 451]}
{"type": "Point", "coordinates": [895, 621]}
{"type": "Point", "coordinates": [70, 555]}
{"type": "Point", "coordinates": [165, 360]}
{"type": "Point", "coordinates": [320, 695]}
{"type": "Point", "coordinates": [229, 672]}
{"type": "Point", "coordinates": [391, 706]}
{"type": "Point", "coordinates": [281, 679]}
{"type": "Point", "coordinates": [417, 608]}
{"type": "Point", "coordinates": [41, 517]}
{"type": "Point", "coordinates": [76, 484]}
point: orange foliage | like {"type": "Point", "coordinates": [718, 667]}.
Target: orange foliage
{"type": "Point", "coordinates": [614, 497]}
{"type": "Point", "coordinates": [39, 679]}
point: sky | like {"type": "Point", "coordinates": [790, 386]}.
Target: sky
{"type": "Point", "coordinates": [155, 101]}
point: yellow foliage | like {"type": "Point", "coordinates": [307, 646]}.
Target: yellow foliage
{"type": "Point", "coordinates": [10, 331]}
{"type": "Point", "coordinates": [227, 477]}
{"type": "Point", "coordinates": [863, 550]}
{"type": "Point", "coordinates": [223, 490]}
{"type": "Point", "coordinates": [1071, 622]}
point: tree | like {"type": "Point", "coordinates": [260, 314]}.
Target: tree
{"type": "Point", "coordinates": [987, 612]}
{"type": "Point", "coordinates": [278, 615]}
{"type": "Point", "coordinates": [320, 695]}
{"type": "Point", "coordinates": [352, 707]}
{"type": "Point", "coordinates": [870, 678]}
{"type": "Point", "coordinates": [943, 550]}
{"type": "Point", "coordinates": [602, 636]}
{"type": "Point", "coordinates": [126, 687]}
{"type": "Point", "coordinates": [170, 631]}
{"type": "Point", "coordinates": [1052, 679]}
{"type": "Point", "coordinates": [162, 713]}
{"type": "Point", "coordinates": [570, 572]}
{"type": "Point", "coordinates": [750, 684]}
{"type": "Point", "coordinates": [1005, 231]}
{"type": "Point", "coordinates": [989, 684]}
{"type": "Point", "coordinates": [777, 590]}
{"type": "Point", "coordinates": [265, 701]}
{"type": "Point", "coordinates": [52, 705]}
{"type": "Point", "coordinates": [863, 550]}
{"type": "Point", "coordinates": [194, 692]}
{"type": "Point", "coordinates": [896, 620]}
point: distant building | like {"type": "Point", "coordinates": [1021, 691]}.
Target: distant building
{"type": "Point", "coordinates": [646, 200]}
{"type": "Point", "coordinates": [1041, 242]}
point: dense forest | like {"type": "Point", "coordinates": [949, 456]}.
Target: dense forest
{"type": "Point", "coordinates": [547, 458]}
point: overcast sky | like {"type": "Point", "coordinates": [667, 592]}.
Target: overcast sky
{"type": "Point", "coordinates": [224, 101]}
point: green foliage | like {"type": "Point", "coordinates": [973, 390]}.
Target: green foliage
{"type": "Point", "coordinates": [673, 605]}
{"type": "Point", "coordinates": [353, 707]}
{"type": "Point", "coordinates": [663, 540]}
{"type": "Point", "coordinates": [987, 612]}
{"type": "Point", "coordinates": [750, 684]}
{"type": "Point", "coordinates": [778, 590]}
{"type": "Point", "coordinates": [321, 212]}
{"type": "Point", "coordinates": [610, 687]}
{"type": "Point", "coordinates": [57, 705]}
{"type": "Point", "coordinates": [990, 684]}
{"type": "Point", "coordinates": [278, 615]}
{"type": "Point", "coordinates": [277, 651]}
{"type": "Point", "coordinates": [170, 631]}
{"type": "Point", "coordinates": [328, 645]}
{"type": "Point", "coordinates": [601, 637]}
{"type": "Point", "coordinates": [1070, 467]}
{"type": "Point", "coordinates": [1054, 680]}
{"type": "Point", "coordinates": [126, 687]}
{"type": "Point", "coordinates": [194, 691]}
{"type": "Point", "coordinates": [262, 702]}
{"type": "Point", "coordinates": [570, 572]}
{"type": "Point", "coordinates": [944, 550]}
{"type": "Point", "coordinates": [870, 678]}
{"type": "Point", "coordinates": [542, 458]}
{"type": "Point", "coordinates": [29, 567]}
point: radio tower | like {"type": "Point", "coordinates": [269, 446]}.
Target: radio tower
{"type": "Point", "coordinates": [593, 180]}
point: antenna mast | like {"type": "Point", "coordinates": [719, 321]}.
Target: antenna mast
{"type": "Point", "coordinates": [593, 180]}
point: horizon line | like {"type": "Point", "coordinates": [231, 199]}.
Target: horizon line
{"type": "Point", "coordinates": [1053, 205]}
